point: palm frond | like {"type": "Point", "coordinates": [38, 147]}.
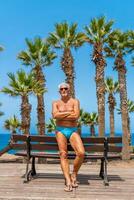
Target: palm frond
{"type": "Point", "coordinates": [118, 43]}
{"type": "Point", "coordinates": [12, 124]}
{"type": "Point", "coordinates": [66, 36]}
{"type": "Point", "coordinates": [22, 84]}
{"type": "Point", "coordinates": [111, 87]}
{"type": "Point", "coordinates": [39, 53]}
{"type": "Point", "coordinates": [51, 126]}
{"type": "Point", "coordinates": [25, 57]}
{"type": "Point", "coordinates": [98, 30]}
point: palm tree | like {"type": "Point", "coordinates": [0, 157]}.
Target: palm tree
{"type": "Point", "coordinates": [91, 119]}
{"type": "Point", "coordinates": [118, 47]}
{"type": "Point", "coordinates": [22, 85]}
{"type": "Point", "coordinates": [1, 113]}
{"type": "Point", "coordinates": [38, 55]}
{"type": "Point", "coordinates": [51, 126]}
{"type": "Point", "coordinates": [81, 120]}
{"type": "Point", "coordinates": [66, 37]}
{"type": "Point", "coordinates": [111, 88]}
{"type": "Point", "coordinates": [97, 33]}
{"type": "Point", "coordinates": [130, 110]}
{"type": "Point", "coordinates": [12, 124]}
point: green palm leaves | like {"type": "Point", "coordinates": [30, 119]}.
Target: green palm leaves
{"type": "Point", "coordinates": [51, 126]}
{"type": "Point", "coordinates": [98, 30]}
{"type": "Point", "coordinates": [66, 36]}
{"type": "Point", "coordinates": [39, 53]}
{"type": "Point", "coordinates": [130, 105]}
{"type": "Point", "coordinates": [111, 88]}
{"type": "Point", "coordinates": [91, 119]}
{"type": "Point", "coordinates": [22, 84]}
{"type": "Point", "coordinates": [12, 124]}
{"type": "Point", "coordinates": [118, 43]}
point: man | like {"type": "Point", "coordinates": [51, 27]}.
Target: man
{"type": "Point", "coordinates": [66, 111]}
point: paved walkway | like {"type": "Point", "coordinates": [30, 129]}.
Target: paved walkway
{"type": "Point", "coordinates": [50, 183]}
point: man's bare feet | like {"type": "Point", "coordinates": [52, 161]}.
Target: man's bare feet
{"type": "Point", "coordinates": [68, 187]}
{"type": "Point", "coordinates": [74, 180]}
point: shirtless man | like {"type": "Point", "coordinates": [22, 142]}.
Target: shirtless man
{"type": "Point", "coordinates": [66, 111]}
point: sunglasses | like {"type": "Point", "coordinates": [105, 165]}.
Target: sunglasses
{"type": "Point", "coordinates": [61, 89]}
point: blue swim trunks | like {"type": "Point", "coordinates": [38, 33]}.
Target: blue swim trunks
{"type": "Point", "coordinates": [66, 131]}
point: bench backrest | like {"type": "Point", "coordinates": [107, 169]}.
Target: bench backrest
{"type": "Point", "coordinates": [48, 143]}
{"type": "Point", "coordinates": [19, 142]}
{"type": "Point", "coordinates": [91, 144]}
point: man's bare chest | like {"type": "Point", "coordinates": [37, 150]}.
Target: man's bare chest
{"type": "Point", "coordinates": [65, 107]}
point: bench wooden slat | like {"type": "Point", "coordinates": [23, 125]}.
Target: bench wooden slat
{"type": "Point", "coordinates": [45, 147]}
{"type": "Point", "coordinates": [49, 147]}
{"type": "Point", "coordinates": [90, 140]}
{"type": "Point", "coordinates": [114, 140]}
{"type": "Point", "coordinates": [19, 146]}
{"type": "Point", "coordinates": [94, 148]}
{"type": "Point", "coordinates": [17, 138]}
{"type": "Point", "coordinates": [42, 138]}
{"type": "Point", "coordinates": [117, 149]}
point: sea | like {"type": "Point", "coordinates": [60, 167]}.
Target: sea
{"type": "Point", "coordinates": [5, 138]}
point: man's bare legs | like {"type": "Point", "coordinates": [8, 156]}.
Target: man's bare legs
{"type": "Point", "coordinates": [78, 147]}
{"type": "Point", "coordinates": [62, 144]}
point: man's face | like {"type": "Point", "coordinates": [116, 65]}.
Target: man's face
{"type": "Point", "coordinates": [64, 91]}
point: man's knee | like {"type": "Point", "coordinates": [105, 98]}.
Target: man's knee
{"type": "Point", "coordinates": [81, 154]}
{"type": "Point", "coordinates": [63, 155]}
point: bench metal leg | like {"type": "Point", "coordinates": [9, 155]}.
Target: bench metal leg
{"type": "Point", "coordinates": [33, 173]}
{"type": "Point", "coordinates": [26, 174]}
{"type": "Point", "coordinates": [102, 169]}
{"type": "Point", "coordinates": [106, 182]}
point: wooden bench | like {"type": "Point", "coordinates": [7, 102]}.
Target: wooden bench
{"type": "Point", "coordinates": [34, 146]}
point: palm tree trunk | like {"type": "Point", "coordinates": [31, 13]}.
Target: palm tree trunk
{"type": "Point", "coordinates": [111, 122]}
{"type": "Point", "coordinates": [67, 63]}
{"type": "Point", "coordinates": [111, 101]}
{"type": "Point", "coordinates": [92, 130]}
{"type": "Point", "coordinates": [41, 115]}
{"type": "Point", "coordinates": [25, 114]}
{"type": "Point", "coordinates": [129, 130]}
{"type": "Point", "coordinates": [79, 130]}
{"type": "Point", "coordinates": [120, 66]}
{"type": "Point", "coordinates": [100, 86]}
{"type": "Point", "coordinates": [40, 101]}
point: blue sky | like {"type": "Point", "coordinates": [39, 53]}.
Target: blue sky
{"type": "Point", "coordinates": [20, 19]}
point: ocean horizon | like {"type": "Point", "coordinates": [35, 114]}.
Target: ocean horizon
{"type": "Point", "coordinates": [5, 138]}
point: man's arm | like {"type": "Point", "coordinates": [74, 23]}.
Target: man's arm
{"type": "Point", "coordinates": [58, 115]}
{"type": "Point", "coordinates": [76, 113]}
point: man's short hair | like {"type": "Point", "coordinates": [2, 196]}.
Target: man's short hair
{"type": "Point", "coordinates": [63, 84]}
